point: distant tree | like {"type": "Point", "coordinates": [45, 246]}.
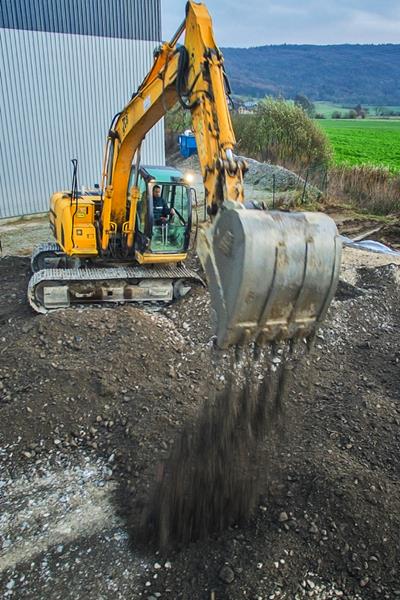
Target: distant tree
{"type": "Point", "coordinates": [177, 119]}
{"type": "Point", "coordinates": [336, 114]}
{"type": "Point", "coordinates": [319, 116]}
{"type": "Point", "coordinates": [379, 111]}
{"type": "Point", "coordinates": [351, 114]}
{"type": "Point", "coordinates": [360, 111]}
{"type": "Point", "coordinates": [306, 104]}
{"type": "Point", "coordinates": [282, 133]}
{"type": "Point", "coordinates": [374, 78]}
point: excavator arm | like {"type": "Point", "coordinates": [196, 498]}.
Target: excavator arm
{"type": "Point", "coordinates": [192, 74]}
{"type": "Point", "coordinates": [271, 275]}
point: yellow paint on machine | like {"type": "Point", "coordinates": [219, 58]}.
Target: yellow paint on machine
{"type": "Point", "coordinates": [150, 258]}
{"type": "Point", "coordinates": [73, 224]}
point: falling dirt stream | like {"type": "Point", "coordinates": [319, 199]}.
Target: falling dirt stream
{"type": "Point", "coordinates": [211, 478]}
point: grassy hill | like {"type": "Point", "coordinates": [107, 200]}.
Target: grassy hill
{"type": "Point", "coordinates": [345, 74]}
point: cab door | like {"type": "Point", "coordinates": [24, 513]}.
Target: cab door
{"type": "Point", "coordinates": [142, 229]}
{"type": "Point", "coordinates": [172, 236]}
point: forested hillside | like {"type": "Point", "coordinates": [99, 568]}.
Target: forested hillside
{"type": "Point", "coordinates": [368, 74]}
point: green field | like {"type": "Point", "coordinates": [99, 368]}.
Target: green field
{"type": "Point", "coordinates": [327, 108]}
{"type": "Point", "coordinates": [367, 141]}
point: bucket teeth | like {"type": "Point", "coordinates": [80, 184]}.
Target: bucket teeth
{"type": "Point", "coordinates": [271, 275]}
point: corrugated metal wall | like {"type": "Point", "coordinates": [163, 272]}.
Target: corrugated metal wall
{"type": "Point", "coordinates": [131, 19]}
{"type": "Point", "coordinates": [59, 92]}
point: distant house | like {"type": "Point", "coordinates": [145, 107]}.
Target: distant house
{"type": "Point", "coordinates": [236, 103]}
{"type": "Point", "coordinates": [247, 107]}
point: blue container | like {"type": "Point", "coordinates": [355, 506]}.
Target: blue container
{"type": "Point", "coordinates": [187, 145]}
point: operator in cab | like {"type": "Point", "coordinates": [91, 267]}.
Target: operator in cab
{"type": "Point", "coordinates": [161, 211]}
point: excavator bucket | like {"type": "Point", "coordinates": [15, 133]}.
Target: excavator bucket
{"type": "Point", "coordinates": [271, 274]}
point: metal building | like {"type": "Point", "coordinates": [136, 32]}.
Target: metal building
{"type": "Point", "coordinates": [66, 67]}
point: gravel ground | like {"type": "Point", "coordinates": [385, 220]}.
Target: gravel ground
{"type": "Point", "coordinates": [18, 237]}
{"type": "Point", "coordinates": [92, 401]}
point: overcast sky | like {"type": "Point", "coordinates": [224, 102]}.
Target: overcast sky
{"type": "Point", "coordinates": [259, 22]}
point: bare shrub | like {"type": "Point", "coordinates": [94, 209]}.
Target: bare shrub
{"type": "Point", "coordinates": [176, 121]}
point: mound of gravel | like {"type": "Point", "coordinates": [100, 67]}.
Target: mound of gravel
{"type": "Point", "coordinates": [260, 176]}
{"type": "Point", "coordinates": [268, 177]}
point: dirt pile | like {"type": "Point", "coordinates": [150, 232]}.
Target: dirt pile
{"type": "Point", "coordinates": [111, 388]}
{"type": "Point", "coordinates": [263, 175]}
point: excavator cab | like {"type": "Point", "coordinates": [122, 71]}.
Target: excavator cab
{"type": "Point", "coordinates": [164, 214]}
{"type": "Point", "coordinates": [170, 229]}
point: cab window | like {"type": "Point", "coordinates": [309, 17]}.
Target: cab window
{"type": "Point", "coordinates": [171, 225]}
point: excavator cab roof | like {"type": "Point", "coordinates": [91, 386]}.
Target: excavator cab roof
{"type": "Point", "coordinates": [162, 174]}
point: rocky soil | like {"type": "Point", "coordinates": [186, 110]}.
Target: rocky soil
{"type": "Point", "coordinates": [92, 399]}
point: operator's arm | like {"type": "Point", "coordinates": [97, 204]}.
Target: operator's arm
{"type": "Point", "coordinates": [165, 208]}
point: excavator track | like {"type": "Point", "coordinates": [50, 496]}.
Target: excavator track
{"type": "Point", "coordinates": [46, 255]}
{"type": "Point", "coordinates": [51, 289]}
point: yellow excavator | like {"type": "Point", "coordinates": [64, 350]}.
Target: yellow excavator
{"type": "Point", "coordinates": [271, 274]}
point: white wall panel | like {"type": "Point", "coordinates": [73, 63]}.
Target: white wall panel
{"type": "Point", "coordinates": [58, 95]}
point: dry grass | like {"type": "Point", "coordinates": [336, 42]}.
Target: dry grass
{"type": "Point", "coordinates": [374, 190]}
